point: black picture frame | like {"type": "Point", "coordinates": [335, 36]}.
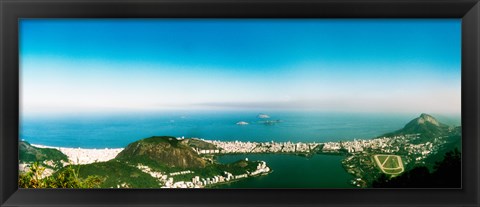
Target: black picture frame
{"type": "Point", "coordinates": [12, 10]}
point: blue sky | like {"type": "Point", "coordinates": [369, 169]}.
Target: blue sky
{"type": "Point", "coordinates": [390, 65]}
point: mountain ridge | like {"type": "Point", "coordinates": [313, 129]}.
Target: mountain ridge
{"type": "Point", "coordinates": [163, 150]}
{"type": "Point", "coordinates": [427, 126]}
{"type": "Point", "coordinates": [29, 153]}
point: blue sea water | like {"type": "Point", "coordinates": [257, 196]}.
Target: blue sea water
{"type": "Point", "coordinates": [118, 130]}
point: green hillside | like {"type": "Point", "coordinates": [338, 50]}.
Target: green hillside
{"type": "Point", "coordinates": [199, 144]}
{"type": "Point", "coordinates": [427, 126]}
{"type": "Point", "coordinates": [162, 151]}
{"type": "Point", "coordinates": [115, 173]}
{"type": "Point", "coordinates": [163, 154]}
{"type": "Point", "coordinates": [29, 154]}
{"type": "Point", "coordinates": [453, 142]}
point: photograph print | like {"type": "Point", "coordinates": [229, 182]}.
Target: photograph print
{"type": "Point", "coordinates": [240, 103]}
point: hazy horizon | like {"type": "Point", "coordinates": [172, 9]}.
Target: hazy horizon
{"type": "Point", "coordinates": [114, 65]}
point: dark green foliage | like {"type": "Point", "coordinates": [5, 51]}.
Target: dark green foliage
{"type": "Point", "coordinates": [160, 139]}
{"type": "Point", "coordinates": [163, 150]}
{"type": "Point", "coordinates": [66, 178]}
{"type": "Point", "coordinates": [161, 154]}
{"type": "Point", "coordinates": [116, 173]}
{"type": "Point", "coordinates": [146, 160]}
{"type": "Point", "coordinates": [410, 179]}
{"type": "Point", "coordinates": [446, 174]}
{"type": "Point", "coordinates": [454, 141]}
{"type": "Point", "coordinates": [449, 172]}
{"type": "Point", "coordinates": [241, 167]}
{"type": "Point", "coordinates": [196, 143]}
{"type": "Point", "coordinates": [236, 168]}
{"type": "Point", "coordinates": [29, 153]}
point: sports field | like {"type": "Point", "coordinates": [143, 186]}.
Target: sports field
{"type": "Point", "coordinates": [389, 164]}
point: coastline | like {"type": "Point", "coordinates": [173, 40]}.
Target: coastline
{"type": "Point", "coordinates": [219, 185]}
{"type": "Point", "coordinates": [85, 156]}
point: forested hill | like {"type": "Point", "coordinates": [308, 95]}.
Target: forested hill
{"type": "Point", "coordinates": [426, 125]}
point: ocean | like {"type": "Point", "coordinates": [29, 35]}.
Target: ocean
{"type": "Point", "coordinates": [118, 130]}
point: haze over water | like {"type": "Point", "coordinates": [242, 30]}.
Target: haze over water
{"type": "Point", "coordinates": [112, 131]}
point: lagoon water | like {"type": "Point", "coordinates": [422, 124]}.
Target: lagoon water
{"type": "Point", "coordinates": [291, 171]}
{"type": "Point", "coordinates": [118, 130]}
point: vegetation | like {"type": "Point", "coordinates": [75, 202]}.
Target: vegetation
{"type": "Point", "coordinates": [115, 173]}
{"type": "Point", "coordinates": [66, 178]}
{"type": "Point", "coordinates": [161, 154]}
{"type": "Point", "coordinates": [29, 153]}
{"type": "Point", "coordinates": [236, 168]}
{"type": "Point", "coordinates": [446, 174]}
{"type": "Point", "coordinates": [427, 126]}
{"type": "Point", "coordinates": [163, 150]}
{"type": "Point", "coordinates": [454, 141]}
{"type": "Point", "coordinates": [197, 143]}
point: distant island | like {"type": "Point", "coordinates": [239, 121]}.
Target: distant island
{"type": "Point", "coordinates": [263, 116]}
{"type": "Point", "coordinates": [270, 122]}
{"type": "Point", "coordinates": [171, 162]}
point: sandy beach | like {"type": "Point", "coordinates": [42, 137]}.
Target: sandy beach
{"type": "Point", "coordinates": [86, 156]}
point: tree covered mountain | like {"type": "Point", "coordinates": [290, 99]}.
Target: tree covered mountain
{"type": "Point", "coordinates": [440, 169]}
{"type": "Point", "coordinates": [161, 154]}
{"type": "Point", "coordinates": [426, 125]}
{"type": "Point", "coordinates": [29, 153]}
{"type": "Point", "coordinates": [163, 150]}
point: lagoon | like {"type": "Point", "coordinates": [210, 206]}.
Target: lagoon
{"type": "Point", "coordinates": [292, 171]}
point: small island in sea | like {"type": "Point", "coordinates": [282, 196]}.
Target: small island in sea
{"type": "Point", "coordinates": [177, 162]}
{"type": "Point", "coordinates": [242, 123]}
{"type": "Point", "coordinates": [263, 116]}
